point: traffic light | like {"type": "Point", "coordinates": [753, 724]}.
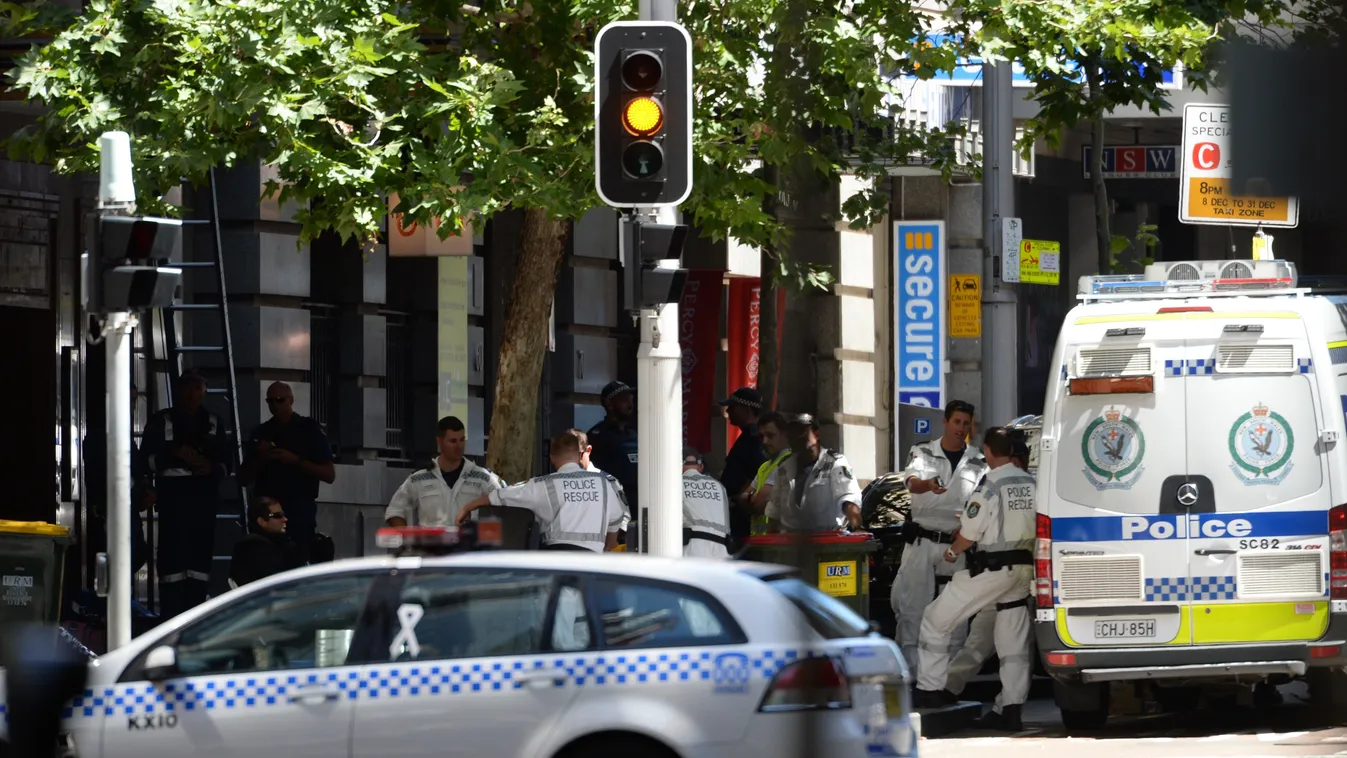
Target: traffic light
{"type": "Point", "coordinates": [128, 265]}
{"type": "Point", "coordinates": [643, 114]}
{"type": "Point", "coordinates": [642, 246]}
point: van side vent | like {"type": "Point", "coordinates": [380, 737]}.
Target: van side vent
{"type": "Point", "coordinates": [1283, 573]}
{"type": "Point", "coordinates": [1112, 577]}
{"type": "Point", "coordinates": [1113, 361]}
{"type": "Point", "coordinates": [1256, 359]}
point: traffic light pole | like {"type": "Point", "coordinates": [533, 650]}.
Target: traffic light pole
{"type": "Point", "coordinates": [659, 391]}
{"type": "Point", "coordinates": [117, 360]}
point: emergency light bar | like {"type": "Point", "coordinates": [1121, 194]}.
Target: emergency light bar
{"type": "Point", "coordinates": [1194, 278]}
{"type": "Point", "coordinates": [441, 539]}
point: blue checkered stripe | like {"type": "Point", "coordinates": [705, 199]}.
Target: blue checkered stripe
{"type": "Point", "coordinates": [1181, 588]}
{"type": "Point", "coordinates": [413, 679]}
{"type": "Point", "coordinates": [1305, 365]}
{"type": "Point", "coordinates": [1190, 367]}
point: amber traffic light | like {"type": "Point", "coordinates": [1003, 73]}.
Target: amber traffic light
{"type": "Point", "coordinates": [643, 114]}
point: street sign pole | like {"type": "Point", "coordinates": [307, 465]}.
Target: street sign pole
{"type": "Point", "coordinates": [659, 395]}
{"type": "Point", "coordinates": [1000, 307]}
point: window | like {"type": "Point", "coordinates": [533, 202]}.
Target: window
{"type": "Point", "coordinates": [827, 615]}
{"type": "Point", "coordinates": [301, 625]}
{"type": "Point", "coordinates": [490, 612]}
{"type": "Point", "coordinates": [642, 615]}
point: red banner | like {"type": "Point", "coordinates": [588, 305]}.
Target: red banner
{"type": "Point", "coordinates": [742, 323]}
{"type": "Point", "coordinates": [698, 335]}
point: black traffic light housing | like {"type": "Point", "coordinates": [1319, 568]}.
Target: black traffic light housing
{"type": "Point", "coordinates": [643, 114]}
{"type": "Point", "coordinates": [644, 285]}
{"type": "Point", "coordinates": [127, 266]}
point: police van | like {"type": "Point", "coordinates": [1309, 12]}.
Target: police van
{"type": "Point", "coordinates": [1192, 475]}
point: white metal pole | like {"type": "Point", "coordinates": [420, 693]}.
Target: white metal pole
{"type": "Point", "coordinates": [659, 393]}
{"type": "Point", "coordinates": [118, 373]}
{"type": "Point", "coordinates": [1000, 308]}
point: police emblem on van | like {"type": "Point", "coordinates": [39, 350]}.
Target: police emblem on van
{"type": "Point", "coordinates": [1113, 447]}
{"type": "Point", "coordinates": [1261, 444]}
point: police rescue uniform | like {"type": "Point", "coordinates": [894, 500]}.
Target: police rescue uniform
{"type": "Point", "coordinates": [425, 499]}
{"type": "Point", "coordinates": [818, 506]}
{"type": "Point", "coordinates": [929, 532]}
{"type": "Point", "coordinates": [706, 516]}
{"type": "Point", "coordinates": [574, 507]}
{"type": "Point", "coordinates": [1000, 518]}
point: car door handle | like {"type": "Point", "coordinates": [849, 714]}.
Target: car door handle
{"type": "Point", "coordinates": [314, 693]}
{"type": "Point", "coordinates": [1205, 551]}
{"type": "Point", "coordinates": [544, 678]}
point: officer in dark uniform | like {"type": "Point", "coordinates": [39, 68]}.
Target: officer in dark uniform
{"type": "Point", "coordinates": [613, 443]}
{"type": "Point", "coordinates": [743, 407]}
{"type": "Point", "coordinates": [185, 450]}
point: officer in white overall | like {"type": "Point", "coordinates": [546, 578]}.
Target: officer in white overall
{"type": "Point", "coordinates": [814, 490]}
{"type": "Point", "coordinates": [706, 510]}
{"type": "Point", "coordinates": [981, 641]}
{"type": "Point", "coordinates": [434, 495]}
{"type": "Point", "coordinates": [940, 474]}
{"type": "Point", "coordinates": [576, 509]}
{"type": "Point", "coordinates": [1000, 522]}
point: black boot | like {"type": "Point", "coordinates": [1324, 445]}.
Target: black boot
{"type": "Point", "coordinates": [933, 699]}
{"type": "Point", "coordinates": [1008, 720]}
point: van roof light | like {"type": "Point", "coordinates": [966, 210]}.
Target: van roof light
{"type": "Point", "coordinates": [1193, 279]}
{"type": "Point", "coordinates": [433, 540]}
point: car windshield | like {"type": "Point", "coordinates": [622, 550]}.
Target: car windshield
{"type": "Point", "coordinates": [828, 616]}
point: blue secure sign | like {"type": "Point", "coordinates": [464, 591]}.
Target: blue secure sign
{"type": "Point", "coordinates": [919, 308]}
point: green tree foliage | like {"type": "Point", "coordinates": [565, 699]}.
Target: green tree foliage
{"type": "Point", "coordinates": [1089, 57]}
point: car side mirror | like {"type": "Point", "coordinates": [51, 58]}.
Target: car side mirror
{"type": "Point", "coordinates": [161, 663]}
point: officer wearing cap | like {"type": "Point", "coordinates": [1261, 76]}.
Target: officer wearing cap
{"type": "Point", "coordinates": [706, 510]}
{"type": "Point", "coordinates": [814, 490]}
{"type": "Point", "coordinates": [613, 440]}
{"type": "Point", "coordinates": [742, 407]}
{"type": "Point", "coordinates": [577, 509]}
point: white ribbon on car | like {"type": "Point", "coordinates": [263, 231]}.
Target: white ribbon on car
{"type": "Point", "coordinates": [409, 615]}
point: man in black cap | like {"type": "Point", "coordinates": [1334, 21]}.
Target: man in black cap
{"type": "Point", "coordinates": [613, 442]}
{"type": "Point", "coordinates": [743, 407]}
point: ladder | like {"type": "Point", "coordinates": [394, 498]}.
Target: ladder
{"type": "Point", "coordinates": [164, 351]}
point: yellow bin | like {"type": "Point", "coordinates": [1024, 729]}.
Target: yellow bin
{"type": "Point", "coordinates": [32, 567]}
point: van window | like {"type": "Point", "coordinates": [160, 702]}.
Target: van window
{"type": "Point", "coordinates": [1114, 451]}
{"type": "Point", "coordinates": [1256, 437]}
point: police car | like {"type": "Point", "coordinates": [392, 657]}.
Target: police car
{"type": "Point", "coordinates": [506, 654]}
{"type": "Point", "coordinates": [1192, 473]}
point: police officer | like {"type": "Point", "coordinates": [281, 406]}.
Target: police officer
{"type": "Point", "coordinates": [434, 495]}
{"type": "Point", "coordinates": [706, 510]}
{"type": "Point", "coordinates": [613, 442]}
{"type": "Point", "coordinates": [814, 490]}
{"type": "Point", "coordinates": [940, 475]}
{"type": "Point", "coordinates": [981, 630]}
{"type": "Point", "coordinates": [772, 434]}
{"type": "Point", "coordinates": [184, 448]}
{"type": "Point", "coordinates": [576, 509]}
{"type": "Point", "coordinates": [999, 521]}
{"type": "Point", "coordinates": [745, 457]}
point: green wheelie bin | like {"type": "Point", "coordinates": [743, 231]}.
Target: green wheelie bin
{"type": "Point", "coordinates": [841, 562]}
{"type": "Point", "coordinates": [32, 566]}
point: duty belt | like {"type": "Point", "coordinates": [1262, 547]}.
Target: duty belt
{"type": "Point", "coordinates": [979, 561]}
{"type": "Point", "coordinates": [697, 534]}
{"type": "Point", "coordinates": [565, 546]}
{"type": "Point", "coordinates": [912, 533]}
{"type": "Point", "coordinates": [1015, 604]}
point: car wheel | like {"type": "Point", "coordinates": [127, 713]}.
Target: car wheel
{"type": "Point", "coordinates": [616, 745]}
{"type": "Point", "coordinates": [1084, 707]}
{"type": "Point", "coordinates": [1328, 694]}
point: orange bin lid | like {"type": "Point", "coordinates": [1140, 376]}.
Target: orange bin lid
{"type": "Point", "coordinates": [35, 528]}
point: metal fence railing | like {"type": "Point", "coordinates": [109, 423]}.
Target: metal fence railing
{"type": "Point", "coordinates": [397, 379]}
{"type": "Point", "coordinates": [324, 369]}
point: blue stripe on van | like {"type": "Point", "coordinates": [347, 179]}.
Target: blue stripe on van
{"type": "Point", "coordinates": [1210, 525]}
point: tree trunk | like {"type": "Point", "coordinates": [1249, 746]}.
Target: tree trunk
{"type": "Point", "coordinates": [514, 413]}
{"type": "Point", "coordinates": [769, 362]}
{"type": "Point", "coordinates": [1103, 235]}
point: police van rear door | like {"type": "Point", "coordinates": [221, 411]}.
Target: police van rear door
{"type": "Point", "coordinates": [1254, 506]}
{"type": "Point", "coordinates": [1119, 434]}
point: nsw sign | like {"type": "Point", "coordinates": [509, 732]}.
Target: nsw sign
{"type": "Point", "coordinates": [1206, 195]}
{"type": "Point", "coordinates": [1135, 161]}
{"type": "Point", "coordinates": [919, 310]}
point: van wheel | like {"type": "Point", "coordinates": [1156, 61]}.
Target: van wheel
{"type": "Point", "coordinates": [1084, 707]}
{"type": "Point", "coordinates": [1328, 694]}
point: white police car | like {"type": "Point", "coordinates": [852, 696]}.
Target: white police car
{"type": "Point", "coordinates": [505, 654]}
